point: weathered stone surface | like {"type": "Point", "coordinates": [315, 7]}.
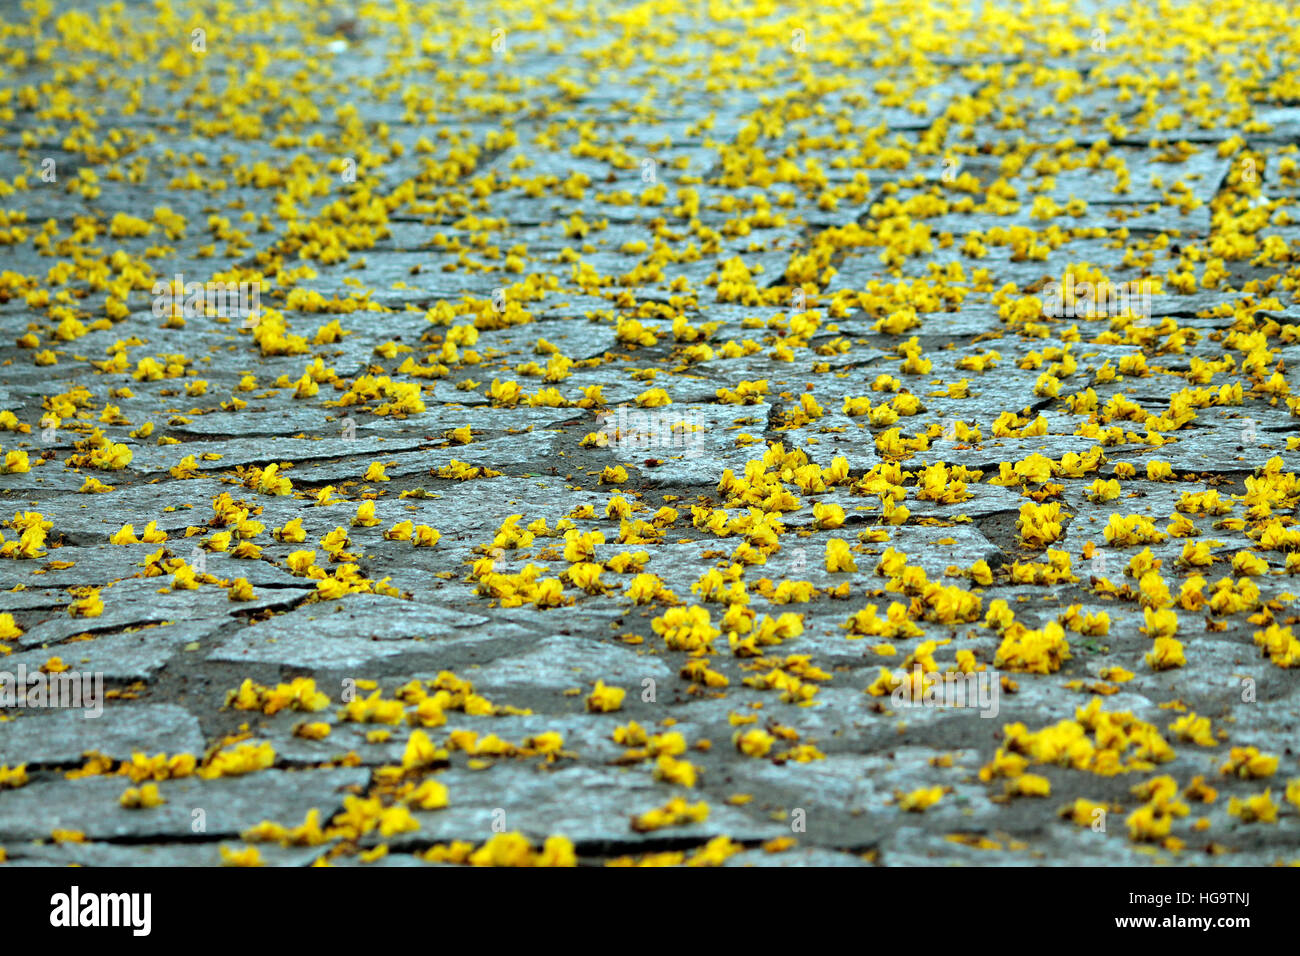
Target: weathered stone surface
{"type": "Point", "coordinates": [62, 737]}
{"type": "Point", "coordinates": [230, 805]}
{"type": "Point", "coordinates": [659, 322]}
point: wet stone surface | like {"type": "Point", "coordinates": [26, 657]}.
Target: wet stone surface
{"type": "Point", "coordinates": [629, 411]}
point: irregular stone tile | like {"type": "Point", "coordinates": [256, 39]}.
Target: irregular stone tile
{"type": "Point", "coordinates": [158, 854]}
{"type": "Point", "coordinates": [230, 805]}
{"type": "Point", "coordinates": [138, 601]}
{"type": "Point", "coordinates": [591, 806]}
{"type": "Point", "coordinates": [561, 661]}
{"type": "Point", "coordinates": [346, 633]}
{"type": "Point", "coordinates": [63, 736]}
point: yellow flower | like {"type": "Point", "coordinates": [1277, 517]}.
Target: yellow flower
{"type": "Point", "coordinates": [125, 536]}
{"type": "Point", "coordinates": [1040, 525]}
{"type": "Point", "coordinates": [8, 629]}
{"type": "Point", "coordinates": [13, 778]}
{"type": "Point", "coordinates": [827, 517]}
{"type": "Point", "coordinates": [644, 588]}
{"type": "Point", "coordinates": [1148, 823]}
{"type": "Point", "coordinates": [88, 606]}
{"type": "Point", "coordinates": [248, 856]}
{"type": "Point", "coordinates": [1132, 529]}
{"type": "Point", "coordinates": [1035, 652]}
{"type": "Point", "coordinates": [400, 532]}
{"type": "Point", "coordinates": [420, 751]}
{"type": "Point", "coordinates": [503, 849]}
{"type": "Point", "coordinates": [1084, 812]}
{"type": "Point", "coordinates": [838, 556]}
{"type": "Point", "coordinates": [331, 589]}
{"type": "Point", "coordinates": [1248, 763]}
{"type": "Point", "coordinates": [1029, 785]}
{"type": "Point", "coordinates": [1163, 623]}
{"type": "Point", "coordinates": [270, 482]}
{"type": "Point", "coordinates": [1256, 809]}
{"type": "Point", "coordinates": [653, 398]}
{"type": "Point", "coordinates": [685, 628]}
{"type": "Point", "coordinates": [671, 770]}
{"type": "Point", "coordinates": [240, 590]}
{"type": "Point", "coordinates": [185, 578]}
{"type": "Point", "coordinates": [1194, 729]}
{"type": "Point", "coordinates": [300, 562]}
{"type": "Point", "coordinates": [754, 742]}
{"type": "Point", "coordinates": [305, 387]}
{"type": "Point", "coordinates": [919, 800]}
{"type": "Point", "coordinates": [1249, 565]}
{"type": "Point", "coordinates": [1279, 645]}
{"type": "Point", "coordinates": [1036, 469]}
{"type": "Point", "coordinates": [219, 541]}
{"type": "Point", "coordinates": [556, 851]}
{"type": "Point", "coordinates": [586, 576]}
{"type": "Point", "coordinates": [1195, 555]}
{"type": "Point", "coordinates": [981, 573]}
{"type": "Point", "coordinates": [1102, 491]}
{"type": "Point", "coordinates": [603, 700]}
{"type": "Point", "coordinates": [676, 812]}
{"type": "Point", "coordinates": [110, 456]}
{"type": "Point", "coordinates": [291, 532]}
{"type": "Point", "coordinates": [245, 758]}
{"type": "Point", "coordinates": [143, 798]}
{"type": "Point", "coordinates": [429, 795]}
{"type": "Point", "coordinates": [1166, 654]}
{"type": "Point", "coordinates": [315, 730]}
{"type": "Point", "coordinates": [16, 463]}
{"type": "Point", "coordinates": [425, 537]}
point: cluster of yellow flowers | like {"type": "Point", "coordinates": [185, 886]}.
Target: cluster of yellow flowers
{"type": "Point", "coordinates": [851, 438]}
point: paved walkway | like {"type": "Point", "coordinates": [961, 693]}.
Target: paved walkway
{"type": "Point", "coordinates": [746, 434]}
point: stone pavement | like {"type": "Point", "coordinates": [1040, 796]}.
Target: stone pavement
{"type": "Point", "coordinates": [534, 433]}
